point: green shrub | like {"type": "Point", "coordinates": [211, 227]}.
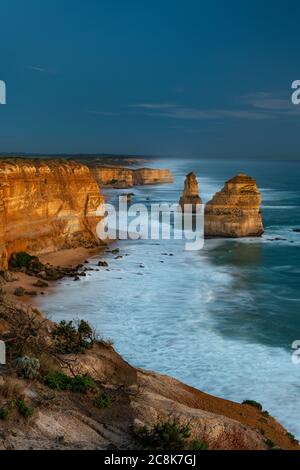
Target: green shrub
{"type": "Point", "coordinates": [198, 445]}
{"type": "Point", "coordinates": [270, 443]}
{"type": "Point", "coordinates": [58, 381]}
{"type": "Point", "coordinates": [71, 340]}
{"type": "Point", "coordinates": [169, 435]}
{"type": "Point", "coordinates": [253, 403]}
{"type": "Point", "coordinates": [102, 401]}
{"type": "Point", "coordinates": [25, 410]}
{"type": "Point", "coordinates": [266, 413]}
{"type": "Point", "coordinates": [27, 367]}
{"type": "Point", "coordinates": [61, 381]}
{"type": "Point", "coordinates": [21, 259]}
{"type": "Point", "coordinates": [82, 383]}
{"type": "Point", "coordinates": [292, 438]}
{"type": "Point", "coordinates": [4, 413]}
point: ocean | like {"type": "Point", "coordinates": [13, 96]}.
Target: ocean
{"type": "Point", "coordinates": [222, 319]}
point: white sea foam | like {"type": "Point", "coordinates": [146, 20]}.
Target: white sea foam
{"type": "Point", "coordinates": [199, 317]}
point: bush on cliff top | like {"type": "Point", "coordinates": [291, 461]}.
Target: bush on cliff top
{"type": "Point", "coordinates": [61, 381]}
{"type": "Point", "coordinates": [253, 403]}
{"type": "Point", "coordinates": [71, 340]}
{"type": "Point", "coordinates": [168, 435]}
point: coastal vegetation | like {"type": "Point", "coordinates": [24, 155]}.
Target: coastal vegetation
{"type": "Point", "coordinates": [61, 381]}
{"type": "Point", "coordinates": [70, 339]}
{"type": "Point", "coordinates": [168, 435]}
{"type": "Point", "coordinates": [253, 403]}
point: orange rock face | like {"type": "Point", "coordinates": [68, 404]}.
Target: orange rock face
{"type": "Point", "coordinates": [115, 177]}
{"type": "Point", "coordinates": [190, 194]}
{"type": "Point", "coordinates": [119, 177]}
{"type": "Point", "coordinates": [235, 210]}
{"type": "Point", "coordinates": [151, 176]}
{"type": "Point", "coordinates": [46, 206]}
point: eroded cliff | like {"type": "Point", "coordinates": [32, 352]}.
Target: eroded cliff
{"type": "Point", "coordinates": [120, 177]}
{"type": "Point", "coordinates": [235, 210]}
{"type": "Point", "coordinates": [46, 206]}
{"type": "Point", "coordinates": [72, 419]}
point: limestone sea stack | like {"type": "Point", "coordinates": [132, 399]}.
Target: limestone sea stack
{"type": "Point", "coordinates": [190, 194]}
{"type": "Point", "coordinates": [235, 210]}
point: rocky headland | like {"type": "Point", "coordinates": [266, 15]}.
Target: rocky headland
{"type": "Point", "coordinates": [235, 210]}
{"type": "Point", "coordinates": [190, 194]}
{"type": "Point", "coordinates": [120, 177]}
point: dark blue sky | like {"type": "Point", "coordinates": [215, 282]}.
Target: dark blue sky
{"type": "Point", "coordinates": [182, 78]}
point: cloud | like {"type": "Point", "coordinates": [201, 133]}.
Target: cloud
{"type": "Point", "coordinates": [275, 103]}
{"type": "Point", "coordinates": [176, 111]}
{"type": "Point", "coordinates": [46, 70]}
{"type": "Point", "coordinates": [102, 113]}
{"type": "Point", "coordinates": [253, 106]}
{"type": "Point", "coordinates": [154, 105]}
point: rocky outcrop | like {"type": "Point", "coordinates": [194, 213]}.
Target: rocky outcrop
{"type": "Point", "coordinates": [119, 177]}
{"type": "Point", "coordinates": [235, 210]}
{"type": "Point", "coordinates": [69, 420]}
{"type": "Point", "coordinates": [190, 194]}
{"type": "Point", "coordinates": [143, 176]}
{"type": "Point", "coordinates": [137, 398]}
{"type": "Point", "coordinates": [114, 177]}
{"type": "Point", "coordinates": [46, 206]}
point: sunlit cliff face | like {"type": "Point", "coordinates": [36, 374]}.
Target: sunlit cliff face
{"type": "Point", "coordinates": [45, 206]}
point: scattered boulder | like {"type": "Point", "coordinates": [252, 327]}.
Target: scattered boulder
{"type": "Point", "coordinates": [115, 251]}
{"type": "Point", "coordinates": [32, 293]}
{"type": "Point", "coordinates": [40, 283]}
{"type": "Point", "coordinates": [19, 291]}
{"type": "Point", "coordinates": [235, 210]}
{"type": "Point", "coordinates": [296, 230]}
{"type": "Point", "coordinates": [128, 196]}
{"type": "Point", "coordinates": [190, 195]}
{"type": "Point", "coordinates": [8, 276]}
{"type": "Point", "coordinates": [104, 264]}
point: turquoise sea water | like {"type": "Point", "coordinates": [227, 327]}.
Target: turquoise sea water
{"type": "Point", "coordinates": [222, 319]}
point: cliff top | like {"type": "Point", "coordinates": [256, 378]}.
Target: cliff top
{"type": "Point", "coordinates": [242, 178]}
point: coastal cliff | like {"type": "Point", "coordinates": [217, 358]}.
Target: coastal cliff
{"type": "Point", "coordinates": [190, 194]}
{"type": "Point", "coordinates": [235, 210]}
{"type": "Point", "coordinates": [107, 400]}
{"type": "Point", "coordinates": [120, 177]}
{"type": "Point", "coordinates": [46, 206]}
